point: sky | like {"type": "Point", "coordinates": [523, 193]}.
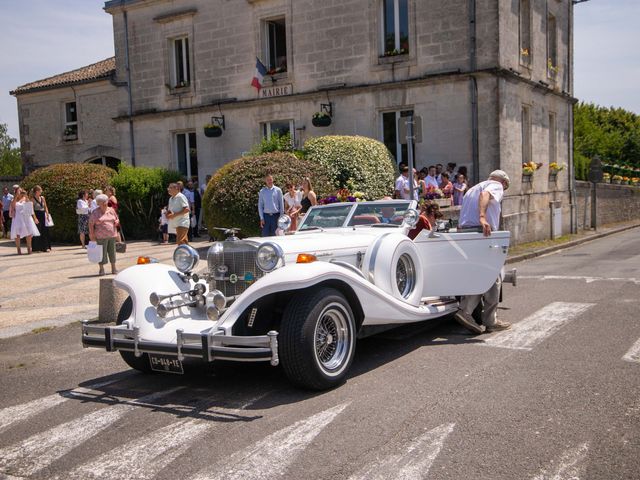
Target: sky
{"type": "Point", "coordinates": [41, 38]}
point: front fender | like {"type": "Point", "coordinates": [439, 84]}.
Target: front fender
{"type": "Point", "coordinates": [140, 281]}
{"type": "Point", "coordinates": [378, 306]}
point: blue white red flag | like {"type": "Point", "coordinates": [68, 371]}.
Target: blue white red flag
{"type": "Point", "coordinates": [258, 78]}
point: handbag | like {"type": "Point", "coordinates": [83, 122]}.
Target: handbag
{"type": "Point", "coordinates": [121, 247]}
{"type": "Point", "coordinates": [94, 252]}
{"type": "Point", "coordinates": [48, 220]}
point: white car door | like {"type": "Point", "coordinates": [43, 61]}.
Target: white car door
{"type": "Point", "coordinates": [461, 263]}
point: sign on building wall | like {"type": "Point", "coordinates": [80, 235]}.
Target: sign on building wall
{"type": "Point", "coordinates": [276, 91]}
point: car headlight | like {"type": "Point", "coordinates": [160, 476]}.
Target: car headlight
{"type": "Point", "coordinates": [185, 258]}
{"type": "Point", "coordinates": [411, 217]}
{"type": "Point", "coordinates": [269, 256]}
{"type": "Point", "coordinates": [284, 223]}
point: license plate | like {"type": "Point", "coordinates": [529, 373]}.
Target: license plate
{"type": "Point", "coordinates": [165, 364]}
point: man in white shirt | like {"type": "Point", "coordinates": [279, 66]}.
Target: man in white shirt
{"type": "Point", "coordinates": [430, 180]}
{"type": "Point", "coordinates": [439, 169]}
{"type": "Point", "coordinates": [481, 210]}
{"type": "Point", "coordinates": [270, 206]}
{"type": "Point", "coordinates": [402, 187]}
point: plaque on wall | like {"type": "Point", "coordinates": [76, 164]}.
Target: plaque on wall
{"type": "Point", "coordinates": [276, 91]}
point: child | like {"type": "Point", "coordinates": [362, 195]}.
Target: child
{"type": "Point", "coordinates": [459, 188]}
{"type": "Point", "coordinates": [164, 225]}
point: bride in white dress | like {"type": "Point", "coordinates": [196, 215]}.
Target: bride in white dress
{"type": "Point", "coordinates": [24, 221]}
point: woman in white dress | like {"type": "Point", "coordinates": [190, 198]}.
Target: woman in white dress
{"type": "Point", "coordinates": [292, 204]}
{"type": "Point", "coordinates": [24, 221]}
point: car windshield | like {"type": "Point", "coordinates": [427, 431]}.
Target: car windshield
{"type": "Point", "coordinates": [326, 217]}
{"type": "Point", "coordinates": [391, 213]}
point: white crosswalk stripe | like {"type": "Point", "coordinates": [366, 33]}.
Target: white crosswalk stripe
{"type": "Point", "coordinates": [18, 413]}
{"type": "Point", "coordinates": [633, 355]}
{"type": "Point", "coordinates": [527, 333]}
{"type": "Point", "coordinates": [569, 467]}
{"type": "Point", "coordinates": [42, 449]}
{"type": "Point", "coordinates": [412, 461]}
{"type": "Point", "coordinates": [144, 457]}
{"type": "Point", "coordinates": [272, 456]}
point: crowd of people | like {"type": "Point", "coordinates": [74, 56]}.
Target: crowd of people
{"type": "Point", "coordinates": [432, 181]}
{"type": "Point", "coordinates": [25, 215]}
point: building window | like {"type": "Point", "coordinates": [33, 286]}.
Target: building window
{"type": "Point", "coordinates": [552, 46]}
{"type": "Point", "coordinates": [553, 139]}
{"type": "Point", "coordinates": [526, 53]}
{"type": "Point", "coordinates": [390, 135]}
{"type": "Point", "coordinates": [180, 65]}
{"type": "Point", "coordinates": [187, 154]}
{"type": "Point", "coordinates": [395, 27]}
{"type": "Point", "coordinates": [70, 119]}
{"type": "Point", "coordinates": [526, 134]}
{"type": "Point", "coordinates": [278, 127]}
{"type": "Point", "coordinates": [275, 45]}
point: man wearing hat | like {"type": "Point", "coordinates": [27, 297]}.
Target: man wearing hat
{"type": "Point", "coordinates": [481, 210]}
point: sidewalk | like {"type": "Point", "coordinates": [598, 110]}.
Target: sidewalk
{"type": "Point", "coordinates": [45, 290]}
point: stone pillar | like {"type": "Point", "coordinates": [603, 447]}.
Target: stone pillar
{"type": "Point", "coordinates": [110, 300]}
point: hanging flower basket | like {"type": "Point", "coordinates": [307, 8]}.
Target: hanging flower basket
{"type": "Point", "coordinates": [212, 131]}
{"type": "Point", "coordinates": [321, 119]}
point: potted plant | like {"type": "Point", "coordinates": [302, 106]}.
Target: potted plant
{"type": "Point", "coordinates": [606, 177]}
{"type": "Point", "coordinates": [321, 119]}
{"type": "Point", "coordinates": [528, 169]}
{"type": "Point", "coordinates": [211, 130]}
{"type": "Point", "coordinates": [616, 179]}
{"type": "Point", "coordinates": [635, 181]}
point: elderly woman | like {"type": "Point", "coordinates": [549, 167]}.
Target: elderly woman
{"type": "Point", "coordinates": [103, 222]}
{"type": "Point", "coordinates": [178, 213]}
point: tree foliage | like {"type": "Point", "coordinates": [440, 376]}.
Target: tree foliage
{"type": "Point", "coordinates": [10, 159]}
{"type": "Point", "coordinates": [611, 133]}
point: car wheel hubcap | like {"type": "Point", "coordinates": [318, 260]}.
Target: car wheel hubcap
{"type": "Point", "coordinates": [332, 337]}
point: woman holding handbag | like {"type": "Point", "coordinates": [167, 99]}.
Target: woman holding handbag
{"type": "Point", "coordinates": [102, 229]}
{"type": "Point", "coordinates": [40, 208]}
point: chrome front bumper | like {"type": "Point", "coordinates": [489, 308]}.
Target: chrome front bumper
{"type": "Point", "coordinates": [207, 346]}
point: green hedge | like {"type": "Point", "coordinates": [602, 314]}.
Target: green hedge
{"type": "Point", "coordinates": [581, 166]}
{"type": "Point", "coordinates": [360, 164]}
{"type": "Point", "coordinates": [141, 194]}
{"type": "Point", "coordinates": [61, 184]}
{"type": "Point", "coordinates": [231, 199]}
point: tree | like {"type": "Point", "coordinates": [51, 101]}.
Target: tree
{"type": "Point", "coordinates": [10, 159]}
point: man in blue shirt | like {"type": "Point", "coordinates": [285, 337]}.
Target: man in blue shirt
{"type": "Point", "coordinates": [270, 207]}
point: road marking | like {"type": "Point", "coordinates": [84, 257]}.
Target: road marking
{"type": "Point", "coordinates": [570, 466]}
{"type": "Point", "coordinates": [586, 279]}
{"type": "Point", "coordinates": [271, 457]}
{"type": "Point", "coordinates": [412, 461]}
{"type": "Point", "coordinates": [40, 450]}
{"type": "Point", "coordinates": [143, 458]}
{"type": "Point", "coordinates": [529, 332]}
{"type": "Point", "coordinates": [633, 355]}
{"type": "Point", "coordinates": [17, 413]}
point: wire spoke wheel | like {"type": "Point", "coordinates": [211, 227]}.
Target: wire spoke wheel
{"type": "Point", "coordinates": [332, 337]}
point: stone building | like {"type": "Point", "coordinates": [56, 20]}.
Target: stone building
{"type": "Point", "coordinates": [68, 117]}
{"type": "Point", "coordinates": [491, 80]}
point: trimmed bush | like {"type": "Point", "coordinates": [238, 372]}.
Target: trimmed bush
{"type": "Point", "coordinates": [141, 194]}
{"type": "Point", "coordinates": [61, 184]}
{"type": "Point", "coordinates": [359, 164]}
{"type": "Point", "coordinates": [231, 199]}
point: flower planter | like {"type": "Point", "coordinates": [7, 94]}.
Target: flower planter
{"type": "Point", "coordinates": [212, 132]}
{"type": "Point", "coordinates": [442, 202]}
{"type": "Point", "coordinates": [527, 178]}
{"type": "Point", "coordinates": [553, 176]}
{"type": "Point", "coordinates": [616, 182]}
{"type": "Point", "coordinates": [323, 121]}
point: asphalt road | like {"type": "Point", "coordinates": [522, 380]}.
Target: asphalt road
{"type": "Point", "coordinates": [557, 397]}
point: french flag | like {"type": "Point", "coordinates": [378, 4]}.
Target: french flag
{"type": "Point", "coordinates": [258, 78]}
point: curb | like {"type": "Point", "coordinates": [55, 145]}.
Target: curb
{"type": "Point", "coordinates": [569, 244]}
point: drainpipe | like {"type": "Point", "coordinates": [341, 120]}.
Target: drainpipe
{"type": "Point", "coordinates": [572, 180]}
{"type": "Point", "coordinates": [473, 86]}
{"type": "Point", "coordinates": [132, 142]}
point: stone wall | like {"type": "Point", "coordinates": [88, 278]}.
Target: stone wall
{"type": "Point", "coordinates": [42, 123]}
{"type": "Point", "coordinates": [615, 203]}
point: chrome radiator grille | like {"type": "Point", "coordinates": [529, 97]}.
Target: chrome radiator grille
{"type": "Point", "coordinates": [234, 269]}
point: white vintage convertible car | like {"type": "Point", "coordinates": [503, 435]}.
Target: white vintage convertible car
{"type": "Point", "coordinates": [302, 299]}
